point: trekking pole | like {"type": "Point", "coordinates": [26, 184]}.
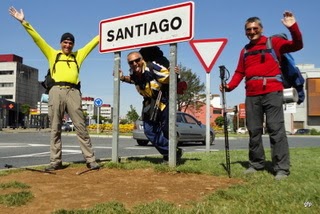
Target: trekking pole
{"type": "Point", "coordinates": [225, 124]}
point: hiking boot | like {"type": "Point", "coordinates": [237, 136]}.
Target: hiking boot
{"type": "Point", "coordinates": [179, 154]}
{"type": "Point", "coordinates": [281, 175]}
{"type": "Point", "coordinates": [250, 170]}
{"type": "Point", "coordinates": [53, 167]}
{"type": "Point", "coordinates": [93, 165]}
{"type": "Point", "coordinates": [165, 159]}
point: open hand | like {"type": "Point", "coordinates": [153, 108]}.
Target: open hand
{"type": "Point", "coordinates": [16, 14]}
{"type": "Point", "coordinates": [288, 19]}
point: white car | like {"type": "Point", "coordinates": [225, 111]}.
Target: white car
{"type": "Point", "coordinates": [242, 130]}
{"type": "Point", "coordinates": [71, 125]}
{"type": "Point", "coordinates": [188, 128]}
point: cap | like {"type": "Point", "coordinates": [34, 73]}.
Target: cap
{"type": "Point", "coordinates": [67, 36]}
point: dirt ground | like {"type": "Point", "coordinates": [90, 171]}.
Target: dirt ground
{"type": "Point", "coordinates": [67, 190]}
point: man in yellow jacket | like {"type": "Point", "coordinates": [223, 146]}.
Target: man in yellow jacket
{"type": "Point", "coordinates": [64, 95]}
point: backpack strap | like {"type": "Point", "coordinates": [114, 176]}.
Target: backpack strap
{"type": "Point", "coordinates": [57, 59]}
{"type": "Point", "coordinates": [273, 53]}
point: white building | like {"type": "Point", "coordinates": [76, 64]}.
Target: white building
{"type": "Point", "coordinates": [106, 111]}
{"type": "Point", "coordinates": [307, 114]}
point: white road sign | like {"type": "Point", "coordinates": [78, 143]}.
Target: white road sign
{"type": "Point", "coordinates": [159, 26]}
{"type": "Point", "coordinates": [208, 51]}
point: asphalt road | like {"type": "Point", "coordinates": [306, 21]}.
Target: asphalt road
{"type": "Point", "coordinates": [30, 149]}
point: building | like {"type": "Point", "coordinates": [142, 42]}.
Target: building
{"type": "Point", "coordinates": [88, 106]}
{"type": "Point", "coordinates": [17, 85]}
{"type": "Point", "coordinates": [106, 111]}
{"type": "Point", "coordinates": [307, 114]}
{"type": "Point", "coordinates": [199, 111]}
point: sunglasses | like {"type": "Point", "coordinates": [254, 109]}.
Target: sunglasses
{"type": "Point", "coordinates": [135, 60]}
{"type": "Point", "coordinates": [252, 28]}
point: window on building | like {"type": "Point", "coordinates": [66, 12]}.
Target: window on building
{"type": "Point", "coordinates": [6, 72]}
{"type": "Point", "coordinates": [6, 96]}
{"type": "Point", "coordinates": [6, 84]}
{"type": "Point", "coordinates": [217, 111]}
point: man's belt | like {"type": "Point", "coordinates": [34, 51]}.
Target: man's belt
{"type": "Point", "coordinates": [68, 84]}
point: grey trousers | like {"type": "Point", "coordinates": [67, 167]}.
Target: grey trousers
{"type": "Point", "coordinates": [61, 100]}
{"type": "Point", "coordinates": [270, 105]}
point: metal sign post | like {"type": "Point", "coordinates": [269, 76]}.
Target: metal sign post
{"type": "Point", "coordinates": [173, 107]}
{"type": "Point", "coordinates": [98, 103]}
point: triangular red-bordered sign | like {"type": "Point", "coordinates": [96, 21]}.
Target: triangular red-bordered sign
{"type": "Point", "coordinates": [208, 51]}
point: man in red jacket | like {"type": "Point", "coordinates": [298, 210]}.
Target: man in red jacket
{"type": "Point", "coordinates": [264, 93]}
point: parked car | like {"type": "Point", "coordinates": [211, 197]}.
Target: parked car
{"type": "Point", "coordinates": [242, 130]}
{"type": "Point", "coordinates": [302, 131]}
{"type": "Point", "coordinates": [288, 133]}
{"type": "Point", "coordinates": [71, 125]}
{"type": "Point", "coordinates": [66, 127]}
{"type": "Point", "coordinates": [188, 129]}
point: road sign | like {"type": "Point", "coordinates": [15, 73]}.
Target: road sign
{"type": "Point", "coordinates": [11, 106]}
{"type": "Point", "coordinates": [98, 102]}
{"type": "Point", "coordinates": [158, 26]}
{"type": "Point", "coordinates": [208, 51]}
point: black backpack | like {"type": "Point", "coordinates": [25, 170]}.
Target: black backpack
{"type": "Point", "coordinates": [48, 82]}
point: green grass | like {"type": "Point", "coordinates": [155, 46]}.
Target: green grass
{"type": "Point", "coordinates": [14, 184]}
{"type": "Point", "coordinates": [15, 198]}
{"type": "Point", "coordinates": [258, 193]}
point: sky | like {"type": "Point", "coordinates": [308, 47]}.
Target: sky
{"type": "Point", "coordinates": [212, 19]}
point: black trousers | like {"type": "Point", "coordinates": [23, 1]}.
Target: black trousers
{"type": "Point", "coordinates": [269, 106]}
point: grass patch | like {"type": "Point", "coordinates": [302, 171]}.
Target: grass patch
{"type": "Point", "coordinates": [110, 208]}
{"type": "Point", "coordinates": [16, 199]}
{"type": "Point", "coordinates": [14, 184]}
{"type": "Point", "coordinates": [258, 193]}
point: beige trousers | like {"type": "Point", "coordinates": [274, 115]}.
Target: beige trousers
{"type": "Point", "coordinates": [61, 100]}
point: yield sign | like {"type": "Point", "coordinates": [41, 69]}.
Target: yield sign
{"type": "Point", "coordinates": [208, 51]}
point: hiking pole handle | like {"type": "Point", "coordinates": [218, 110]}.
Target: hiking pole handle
{"type": "Point", "coordinates": [222, 72]}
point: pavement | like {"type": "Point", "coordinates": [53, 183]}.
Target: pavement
{"type": "Point", "coordinates": [22, 130]}
{"type": "Point", "coordinates": [47, 130]}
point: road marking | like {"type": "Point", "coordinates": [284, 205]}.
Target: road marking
{"type": "Point", "coordinates": [212, 150]}
{"type": "Point", "coordinates": [137, 148]}
{"type": "Point", "coordinates": [102, 147]}
{"type": "Point", "coordinates": [35, 145]}
{"type": "Point", "coordinates": [29, 155]}
{"type": "Point", "coordinates": [13, 146]}
{"type": "Point", "coordinates": [43, 154]}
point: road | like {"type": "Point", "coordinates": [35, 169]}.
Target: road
{"type": "Point", "coordinates": [30, 149]}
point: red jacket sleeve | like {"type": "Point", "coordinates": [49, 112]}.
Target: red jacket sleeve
{"type": "Point", "coordinates": [238, 74]}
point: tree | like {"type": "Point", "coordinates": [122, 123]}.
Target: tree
{"type": "Point", "coordinates": [25, 109]}
{"type": "Point", "coordinates": [194, 92]}
{"type": "Point", "coordinates": [219, 121]}
{"type": "Point", "coordinates": [132, 114]}
{"type": "Point", "coordinates": [101, 118]}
